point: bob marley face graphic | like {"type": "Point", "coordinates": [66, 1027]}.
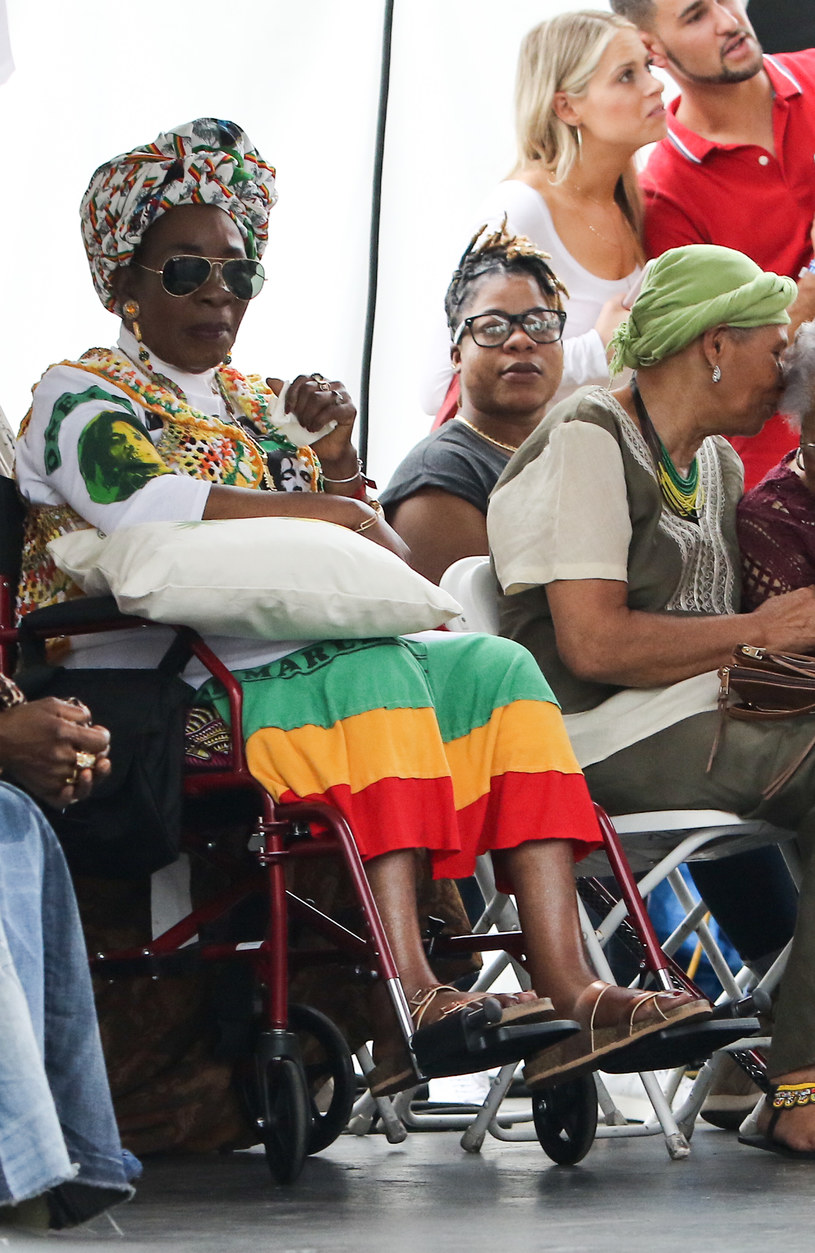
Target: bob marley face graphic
{"type": "Point", "coordinates": [289, 472]}
{"type": "Point", "coordinates": [116, 458]}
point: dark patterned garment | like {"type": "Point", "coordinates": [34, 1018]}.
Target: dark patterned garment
{"type": "Point", "coordinates": [776, 527]}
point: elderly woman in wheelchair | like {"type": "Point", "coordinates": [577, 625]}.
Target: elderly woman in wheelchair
{"type": "Point", "coordinates": [439, 746]}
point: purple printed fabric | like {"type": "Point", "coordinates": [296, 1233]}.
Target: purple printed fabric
{"type": "Point", "coordinates": [776, 528]}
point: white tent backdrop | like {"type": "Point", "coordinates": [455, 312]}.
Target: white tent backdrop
{"type": "Point", "coordinates": [94, 78]}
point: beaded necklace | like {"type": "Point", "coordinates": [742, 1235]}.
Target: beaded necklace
{"type": "Point", "coordinates": [680, 492]}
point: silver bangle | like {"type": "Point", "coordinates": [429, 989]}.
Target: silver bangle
{"type": "Point", "coordinates": [357, 475]}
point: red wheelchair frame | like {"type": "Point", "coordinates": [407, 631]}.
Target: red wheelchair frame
{"type": "Point", "coordinates": [288, 1122]}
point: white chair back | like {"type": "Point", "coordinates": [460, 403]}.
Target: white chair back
{"type": "Point", "coordinates": [471, 582]}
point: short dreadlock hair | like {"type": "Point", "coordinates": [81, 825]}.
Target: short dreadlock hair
{"type": "Point", "coordinates": [499, 253]}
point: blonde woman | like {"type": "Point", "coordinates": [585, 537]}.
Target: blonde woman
{"type": "Point", "coordinates": [585, 101]}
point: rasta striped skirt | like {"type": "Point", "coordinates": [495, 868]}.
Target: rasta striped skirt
{"type": "Point", "coordinates": [451, 743]}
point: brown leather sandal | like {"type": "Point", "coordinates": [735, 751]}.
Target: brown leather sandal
{"type": "Point", "coordinates": [581, 1053]}
{"type": "Point", "coordinates": [396, 1072]}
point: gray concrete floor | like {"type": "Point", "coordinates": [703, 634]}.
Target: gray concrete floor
{"type": "Point", "coordinates": [427, 1194]}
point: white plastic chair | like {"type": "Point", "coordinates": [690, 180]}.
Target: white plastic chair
{"type": "Point", "coordinates": [472, 583]}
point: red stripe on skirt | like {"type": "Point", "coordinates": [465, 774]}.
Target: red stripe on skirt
{"type": "Point", "coordinates": [395, 814]}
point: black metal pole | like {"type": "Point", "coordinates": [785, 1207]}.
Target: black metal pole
{"type": "Point", "coordinates": [373, 244]}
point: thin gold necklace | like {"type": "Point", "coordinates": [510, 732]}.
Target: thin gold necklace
{"type": "Point", "coordinates": [577, 194]}
{"type": "Point", "coordinates": [488, 438]}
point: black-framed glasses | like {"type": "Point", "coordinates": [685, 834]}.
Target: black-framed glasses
{"type": "Point", "coordinates": [491, 330]}
{"type": "Point", "coordinates": [181, 276]}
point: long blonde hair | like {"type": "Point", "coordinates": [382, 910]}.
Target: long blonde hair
{"type": "Point", "coordinates": [562, 54]}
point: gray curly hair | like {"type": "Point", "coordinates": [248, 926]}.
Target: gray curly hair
{"type": "Point", "coordinates": [798, 399]}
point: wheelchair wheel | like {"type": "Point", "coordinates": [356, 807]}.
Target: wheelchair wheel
{"type": "Point", "coordinates": [565, 1119]}
{"type": "Point", "coordinates": [283, 1116]}
{"type": "Point", "coordinates": [329, 1075]}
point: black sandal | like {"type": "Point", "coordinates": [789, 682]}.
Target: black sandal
{"type": "Point", "coordinates": [783, 1096]}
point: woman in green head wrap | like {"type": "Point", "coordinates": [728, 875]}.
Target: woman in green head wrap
{"type": "Point", "coordinates": [613, 533]}
{"type": "Point", "coordinates": [690, 290]}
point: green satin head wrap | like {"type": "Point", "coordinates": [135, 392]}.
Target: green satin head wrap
{"type": "Point", "coordinates": [688, 290]}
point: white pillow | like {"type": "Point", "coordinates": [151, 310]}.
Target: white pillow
{"type": "Point", "coordinates": [256, 578]}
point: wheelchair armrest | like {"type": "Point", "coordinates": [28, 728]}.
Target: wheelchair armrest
{"type": "Point", "coordinates": [75, 617]}
{"type": "Point", "coordinates": [87, 615]}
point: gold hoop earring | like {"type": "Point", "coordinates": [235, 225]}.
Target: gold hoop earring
{"type": "Point", "coordinates": [578, 134]}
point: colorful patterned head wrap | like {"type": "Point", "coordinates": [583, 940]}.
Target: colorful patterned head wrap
{"type": "Point", "coordinates": [688, 290]}
{"type": "Point", "coordinates": [207, 161]}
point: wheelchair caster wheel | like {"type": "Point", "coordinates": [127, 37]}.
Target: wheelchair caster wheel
{"type": "Point", "coordinates": [283, 1115]}
{"type": "Point", "coordinates": [329, 1075]}
{"type": "Point", "coordinates": [565, 1118]}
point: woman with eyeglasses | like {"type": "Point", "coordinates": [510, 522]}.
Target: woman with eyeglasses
{"type": "Point", "coordinates": [506, 321]}
{"type": "Point", "coordinates": [585, 102]}
{"type": "Point", "coordinates": [441, 746]}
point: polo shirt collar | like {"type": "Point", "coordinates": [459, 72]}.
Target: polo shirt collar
{"type": "Point", "coordinates": [693, 147]}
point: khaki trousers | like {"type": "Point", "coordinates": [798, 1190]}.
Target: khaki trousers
{"type": "Point", "coordinates": [667, 771]}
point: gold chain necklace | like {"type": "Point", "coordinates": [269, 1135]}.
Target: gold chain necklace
{"type": "Point", "coordinates": [577, 194]}
{"type": "Point", "coordinates": [488, 438]}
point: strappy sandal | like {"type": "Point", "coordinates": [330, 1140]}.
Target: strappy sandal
{"type": "Point", "coordinates": [521, 1011]}
{"type": "Point", "coordinates": [397, 1072]}
{"type": "Point", "coordinates": [573, 1058]}
{"type": "Point", "coordinates": [783, 1096]}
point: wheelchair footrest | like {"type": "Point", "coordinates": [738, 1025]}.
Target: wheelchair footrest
{"type": "Point", "coordinates": [466, 1042]}
{"type": "Point", "coordinates": [682, 1045]}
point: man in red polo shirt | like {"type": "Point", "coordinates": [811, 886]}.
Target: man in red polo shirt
{"type": "Point", "coordinates": [738, 165]}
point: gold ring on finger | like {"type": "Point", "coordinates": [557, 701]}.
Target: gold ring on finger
{"type": "Point", "coordinates": [85, 761]}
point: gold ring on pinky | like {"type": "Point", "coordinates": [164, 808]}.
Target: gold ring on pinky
{"type": "Point", "coordinates": [85, 761]}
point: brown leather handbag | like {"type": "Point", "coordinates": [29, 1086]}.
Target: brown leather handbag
{"type": "Point", "coordinates": [760, 684]}
{"type": "Point", "coordinates": [757, 683]}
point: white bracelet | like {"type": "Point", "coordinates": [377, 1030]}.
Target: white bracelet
{"type": "Point", "coordinates": [356, 475]}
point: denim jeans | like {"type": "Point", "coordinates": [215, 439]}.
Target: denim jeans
{"type": "Point", "coordinates": [57, 1129]}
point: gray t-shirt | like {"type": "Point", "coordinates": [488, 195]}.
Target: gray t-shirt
{"type": "Point", "coordinates": [453, 459]}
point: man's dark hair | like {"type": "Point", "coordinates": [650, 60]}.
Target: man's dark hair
{"type": "Point", "coordinates": [640, 12]}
